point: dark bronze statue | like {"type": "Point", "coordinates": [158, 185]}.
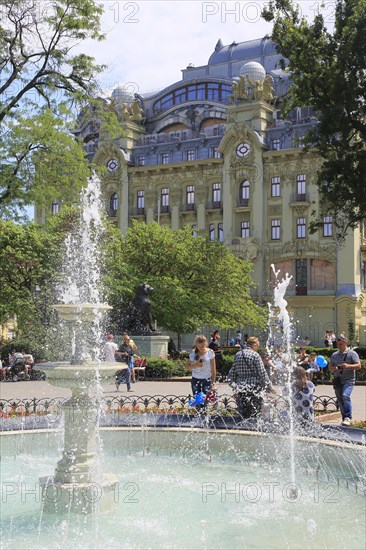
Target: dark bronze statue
{"type": "Point", "coordinates": [138, 319]}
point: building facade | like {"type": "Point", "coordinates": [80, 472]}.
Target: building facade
{"type": "Point", "coordinates": [213, 152]}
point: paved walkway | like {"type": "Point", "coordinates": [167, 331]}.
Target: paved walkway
{"type": "Point", "coordinates": [23, 390]}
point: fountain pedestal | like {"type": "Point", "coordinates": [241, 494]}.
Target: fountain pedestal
{"type": "Point", "coordinates": [79, 485]}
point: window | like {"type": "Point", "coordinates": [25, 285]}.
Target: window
{"type": "Point", "coordinates": [211, 232]}
{"type": "Point", "coordinates": [275, 187]}
{"type": "Point", "coordinates": [244, 229]}
{"type": "Point", "coordinates": [190, 197]}
{"type": "Point", "coordinates": [140, 160]}
{"type": "Point", "coordinates": [301, 188]}
{"type": "Point", "coordinates": [220, 232]}
{"type": "Point", "coordinates": [113, 204]}
{"type": "Point", "coordinates": [275, 230]}
{"type": "Point", "coordinates": [216, 194]}
{"type": "Point", "coordinates": [301, 228]}
{"type": "Point", "coordinates": [244, 193]}
{"type": "Point", "coordinates": [322, 275]}
{"type": "Point", "coordinates": [194, 230]}
{"type": "Point", "coordinates": [327, 226]}
{"type": "Point", "coordinates": [190, 154]}
{"type": "Point", "coordinates": [363, 276]}
{"type": "Point", "coordinates": [214, 153]}
{"type": "Point", "coordinates": [55, 207]}
{"type": "Point", "coordinates": [140, 201]}
{"type": "Point", "coordinates": [301, 267]}
{"type": "Point", "coordinates": [165, 199]}
{"type": "Point", "coordinates": [212, 91]}
{"type": "Point", "coordinates": [165, 158]}
{"type": "Point", "coordinates": [276, 144]}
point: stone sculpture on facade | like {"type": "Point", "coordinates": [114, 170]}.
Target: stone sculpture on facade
{"type": "Point", "coordinates": [127, 112]}
{"type": "Point", "coordinates": [244, 89]}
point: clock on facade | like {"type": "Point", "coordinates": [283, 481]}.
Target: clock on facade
{"type": "Point", "coordinates": [112, 165]}
{"type": "Point", "coordinates": [243, 150]}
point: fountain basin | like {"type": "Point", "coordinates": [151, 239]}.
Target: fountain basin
{"type": "Point", "coordinates": [191, 489]}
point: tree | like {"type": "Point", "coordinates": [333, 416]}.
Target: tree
{"type": "Point", "coordinates": [196, 282]}
{"type": "Point", "coordinates": [328, 72]}
{"type": "Point", "coordinates": [42, 79]}
{"type": "Point", "coordinates": [28, 269]}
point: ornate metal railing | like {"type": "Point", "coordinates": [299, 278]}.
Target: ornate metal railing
{"type": "Point", "coordinates": [168, 404]}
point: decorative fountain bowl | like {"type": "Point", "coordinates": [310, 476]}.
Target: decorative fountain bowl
{"type": "Point", "coordinates": [80, 312]}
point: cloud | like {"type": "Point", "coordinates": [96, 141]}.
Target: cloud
{"type": "Point", "coordinates": [149, 42]}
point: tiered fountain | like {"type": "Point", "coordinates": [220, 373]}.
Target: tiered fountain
{"type": "Point", "coordinates": [78, 478]}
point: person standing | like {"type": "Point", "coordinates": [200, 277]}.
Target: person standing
{"type": "Point", "coordinates": [249, 379]}
{"type": "Point", "coordinates": [202, 364]}
{"type": "Point", "coordinates": [216, 348]}
{"type": "Point", "coordinates": [126, 354]}
{"type": "Point", "coordinates": [110, 349]}
{"type": "Point", "coordinates": [344, 363]}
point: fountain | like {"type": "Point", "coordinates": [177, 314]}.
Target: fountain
{"type": "Point", "coordinates": [176, 481]}
{"type": "Point", "coordinates": [77, 475]}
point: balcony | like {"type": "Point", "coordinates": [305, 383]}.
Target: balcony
{"type": "Point", "coordinates": [137, 211]}
{"type": "Point", "coordinates": [161, 210]}
{"type": "Point", "coordinates": [184, 208]}
{"type": "Point", "coordinates": [242, 204]}
{"type": "Point", "coordinates": [181, 135]}
{"type": "Point", "coordinates": [213, 205]}
{"type": "Point", "coordinates": [300, 199]}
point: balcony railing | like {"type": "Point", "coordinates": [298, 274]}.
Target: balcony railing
{"type": "Point", "coordinates": [181, 135]}
{"type": "Point", "coordinates": [137, 211]}
{"type": "Point", "coordinates": [187, 207]}
{"type": "Point", "coordinates": [300, 197]}
{"type": "Point", "coordinates": [213, 205]}
{"type": "Point", "coordinates": [242, 202]}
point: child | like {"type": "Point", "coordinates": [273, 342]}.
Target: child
{"type": "Point", "coordinates": [302, 396]}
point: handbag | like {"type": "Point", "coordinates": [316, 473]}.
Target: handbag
{"type": "Point", "coordinates": [337, 382]}
{"type": "Point", "coordinates": [337, 379]}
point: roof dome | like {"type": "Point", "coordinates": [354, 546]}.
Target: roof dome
{"type": "Point", "coordinates": [254, 71]}
{"type": "Point", "coordinates": [123, 94]}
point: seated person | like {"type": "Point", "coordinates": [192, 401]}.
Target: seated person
{"type": "Point", "coordinates": [313, 366]}
{"type": "Point", "coordinates": [302, 359]}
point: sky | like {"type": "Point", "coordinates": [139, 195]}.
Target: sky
{"type": "Point", "coordinates": [149, 42]}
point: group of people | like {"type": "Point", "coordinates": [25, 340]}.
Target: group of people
{"type": "Point", "coordinates": [250, 376]}
{"type": "Point", "coordinates": [21, 361]}
{"type": "Point", "coordinates": [330, 339]}
{"type": "Point", "coordinates": [125, 353]}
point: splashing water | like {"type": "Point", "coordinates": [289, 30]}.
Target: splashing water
{"type": "Point", "coordinates": [284, 319]}
{"type": "Point", "coordinates": [81, 266]}
{"type": "Point", "coordinates": [81, 275]}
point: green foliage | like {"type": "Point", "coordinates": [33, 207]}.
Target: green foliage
{"type": "Point", "coordinates": [42, 80]}
{"type": "Point", "coordinates": [196, 282]}
{"type": "Point", "coordinates": [328, 72]}
{"type": "Point", "coordinates": [158, 368]}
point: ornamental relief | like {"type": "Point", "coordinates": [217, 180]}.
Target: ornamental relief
{"type": "Point", "coordinates": [246, 249]}
{"type": "Point", "coordinates": [275, 210]}
{"type": "Point", "coordinates": [300, 249]}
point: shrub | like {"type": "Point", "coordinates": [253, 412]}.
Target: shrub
{"type": "Point", "coordinates": [158, 368]}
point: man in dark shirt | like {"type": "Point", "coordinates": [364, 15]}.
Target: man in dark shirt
{"type": "Point", "coordinates": [249, 379]}
{"type": "Point", "coordinates": [344, 363]}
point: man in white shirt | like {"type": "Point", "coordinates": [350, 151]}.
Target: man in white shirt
{"type": "Point", "coordinates": [110, 349]}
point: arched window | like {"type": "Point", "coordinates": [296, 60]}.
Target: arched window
{"type": "Point", "coordinates": [244, 193]}
{"type": "Point", "coordinates": [113, 205]}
